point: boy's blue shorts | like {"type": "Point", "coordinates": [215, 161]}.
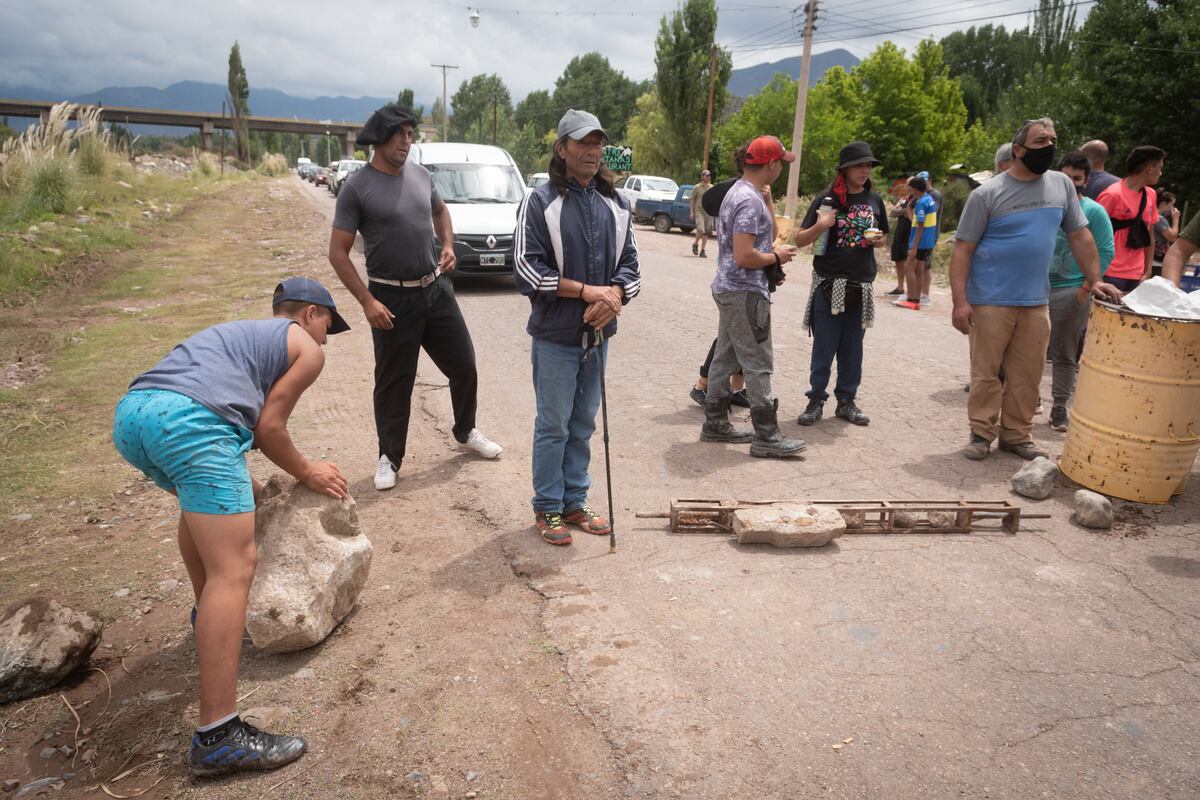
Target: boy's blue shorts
{"type": "Point", "coordinates": [182, 446]}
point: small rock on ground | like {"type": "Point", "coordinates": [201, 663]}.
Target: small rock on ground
{"type": "Point", "coordinates": [1036, 479]}
{"type": "Point", "coordinates": [1092, 510]}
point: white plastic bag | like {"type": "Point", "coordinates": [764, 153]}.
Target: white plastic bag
{"type": "Point", "coordinates": [1160, 298]}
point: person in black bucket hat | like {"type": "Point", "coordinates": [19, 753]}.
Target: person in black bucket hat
{"type": "Point", "coordinates": [848, 222]}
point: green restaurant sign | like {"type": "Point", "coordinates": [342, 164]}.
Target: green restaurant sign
{"type": "Point", "coordinates": [618, 159]}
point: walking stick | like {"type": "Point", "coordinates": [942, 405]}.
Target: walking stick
{"type": "Point", "coordinates": [596, 341]}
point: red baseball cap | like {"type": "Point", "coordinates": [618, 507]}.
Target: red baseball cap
{"type": "Point", "coordinates": [766, 149]}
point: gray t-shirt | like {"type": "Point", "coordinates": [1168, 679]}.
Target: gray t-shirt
{"type": "Point", "coordinates": [228, 368]}
{"type": "Point", "coordinates": [742, 211]}
{"type": "Point", "coordinates": [1013, 225]}
{"type": "Point", "coordinates": [394, 213]}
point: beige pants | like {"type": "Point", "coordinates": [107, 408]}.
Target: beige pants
{"type": "Point", "coordinates": [1015, 338]}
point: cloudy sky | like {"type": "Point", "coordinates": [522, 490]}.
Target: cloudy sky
{"type": "Point", "coordinates": [376, 48]}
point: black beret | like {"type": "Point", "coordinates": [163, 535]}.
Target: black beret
{"type": "Point", "coordinates": [384, 123]}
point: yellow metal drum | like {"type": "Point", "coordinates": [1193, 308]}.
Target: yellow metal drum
{"type": "Point", "coordinates": [1135, 424]}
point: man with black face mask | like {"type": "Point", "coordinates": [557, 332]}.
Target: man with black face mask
{"type": "Point", "coordinates": [1000, 283]}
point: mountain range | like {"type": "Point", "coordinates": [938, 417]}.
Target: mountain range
{"type": "Point", "coordinates": [200, 96]}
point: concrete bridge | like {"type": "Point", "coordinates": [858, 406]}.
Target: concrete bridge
{"type": "Point", "coordinates": [206, 123]}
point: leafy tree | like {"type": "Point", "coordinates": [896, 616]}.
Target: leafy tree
{"type": "Point", "coordinates": [539, 110]}
{"type": "Point", "coordinates": [529, 149]}
{"type": "Point", "coordinates": [987, 61]}
{"type": "Point", "coordinates": [590, 82]}
{"type": "Point", "coordinates": [681, 59]}
{"type": "Point", "coordinates": [1130, 61]}
{"type": "Point", "coordinates": [482, 105]}
{"type": "Point", "coordinates": [648, 136]}
{"type": "Point", "coordinates": [406, 99]}
{"type": "Point", "coordinates": [239, 98]}
{"type": "Point", "coordinates": [437, 114]}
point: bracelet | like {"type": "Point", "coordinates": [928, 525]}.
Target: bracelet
{"type": "Point", "coordinates": [778, 263]}
{"type": "Point", "coordinates": [582, 286]}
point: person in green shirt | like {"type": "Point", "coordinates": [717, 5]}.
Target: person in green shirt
{"type": "Point", "coordinates": [1069, 301]}
{"type": "Point", "coordinates": [1184, 248]}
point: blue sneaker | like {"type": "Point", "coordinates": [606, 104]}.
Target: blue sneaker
{"type": "Point", "coordinates": [243, 748]}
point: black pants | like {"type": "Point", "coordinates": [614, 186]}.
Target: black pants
{"type": "Point", "coordinates": [712, 350]}
{"type": "Point", "coordinates": [425, 317]}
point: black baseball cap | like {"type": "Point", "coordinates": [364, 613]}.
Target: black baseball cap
{"type": "Point", "coordinates": [306, 290]}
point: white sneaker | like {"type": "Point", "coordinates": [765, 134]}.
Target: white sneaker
{"type": "Point", "coordinates": [1040, 409]}
{"type": "Point", "coordinates": [924, 299]}
{"type": "Point", "coordinates": [480, 444]}
{"type": "Point", "coordinates": [385, 474]}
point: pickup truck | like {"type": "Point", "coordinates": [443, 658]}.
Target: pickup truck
{"type": "Point", "coordinates": [665, 214]}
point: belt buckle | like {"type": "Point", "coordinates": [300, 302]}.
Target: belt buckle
{"type": "Point", "coordinates": [428, 279]}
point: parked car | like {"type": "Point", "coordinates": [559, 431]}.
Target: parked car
{"type": "Point", "coordinates": [647, 187]}
{"type": "Point", "coordinates": [665, 214]}
{"type": "Point", "coordinates": [482, 187]}
{"type": "Point", "coordinates": [344, 168]}
{"type": "Point", "coordinates": [301, 162]}
{"type": "Point", "coordinates": [537, 179]}
{"type": "Point", "coordinates": [320, 176]}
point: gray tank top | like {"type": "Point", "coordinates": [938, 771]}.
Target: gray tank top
{"type": "Point", "coordinates": [228, 368]}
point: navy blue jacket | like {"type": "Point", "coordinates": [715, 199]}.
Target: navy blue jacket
{"type": "Point", "coordinates": [583, 236]}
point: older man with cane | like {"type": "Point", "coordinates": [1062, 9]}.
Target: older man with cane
{"type": "Point", "coordinates": [577, 262]}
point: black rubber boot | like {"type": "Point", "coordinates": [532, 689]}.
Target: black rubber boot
{"type": "Point", "coordinates": [718, 428]}
{"type": "Point", "coordinates": [851, 413]}
{"type": "Point", "coordinates": [768, 442]}
{"type": "Point", "coordinates": [812, 413]}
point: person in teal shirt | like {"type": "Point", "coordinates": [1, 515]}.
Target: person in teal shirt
{"type": "Point", "coordinates": [1068, 300]}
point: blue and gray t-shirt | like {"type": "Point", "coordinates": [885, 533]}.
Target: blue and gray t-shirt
{"type": "Point", "coordinates": [1013, 225]}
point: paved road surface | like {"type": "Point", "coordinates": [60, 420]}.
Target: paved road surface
{"type": "Point", "coordinates": [1055, 663]}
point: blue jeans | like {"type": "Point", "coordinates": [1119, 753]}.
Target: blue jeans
{"type": "Point", "coordinates": [567, 387]}
{"type": "Point", "coordinates": [839, 335]}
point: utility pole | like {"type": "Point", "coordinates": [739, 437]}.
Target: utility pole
{"type": "Point", "coordinates": [222, 138]}
{"type": "Point", "coordinates": [445, 103]}
{"type": "Point", "coordinates": [793, 183]}
{"type": "Point", "coordinates": [712, 85]}
{"type": "Point", "coordinates": [493, 120]}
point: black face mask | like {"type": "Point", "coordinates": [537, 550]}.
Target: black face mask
{"type": "Point", "coordinates": [1039, 160]}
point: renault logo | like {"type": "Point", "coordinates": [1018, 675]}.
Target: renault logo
{"type": "Point", "coordinates": [491, 242]}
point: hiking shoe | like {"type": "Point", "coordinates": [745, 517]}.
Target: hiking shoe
{"type": "Point", "coordinates": [977, 449]}
{"type": "Point", "coordinates": [739, 398]}
{"type": "Point", "coordinates": [851, 413]}
{"type": "Point", "coordinates": [1058, 418]}
{"type": "Point", "coordinates": [385, 474]}
{"type": "Point", "coordinates": [697, 395]}
{"type": "Point", "coordinates": [478, 443]}
{"type": "Point", "coordinates": [695, 249]}
{"type": "Point", "coordinates": [811, 413]}
{"type": "Point", "coordinates": [243, 748]}
{"type": "Point", "coordinates": [550, 526]}
{"type": "Point", "coordinates": [588, 521]}
{"type": "Point", "coordinates": [897, 292]}
{"type": "Point", "coordinates": [1026, 450]}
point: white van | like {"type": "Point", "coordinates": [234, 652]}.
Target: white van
{"type": "Point", "coordinates": [482, 187]}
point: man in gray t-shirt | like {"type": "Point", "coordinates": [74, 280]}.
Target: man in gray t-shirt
{"type": "Point", "coordinates": [745, 228]}
{"type": "Point", "coordinates": [409, 300]}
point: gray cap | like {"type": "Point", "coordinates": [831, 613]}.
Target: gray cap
{"type": "Point", "coordinates": [578, 124]}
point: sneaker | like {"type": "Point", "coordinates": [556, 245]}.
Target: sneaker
{"type": "Point", "coordinates": [1040, 408]}
{"type": "Point", "coordinates": [904, 302]}
{"type": "Point", "coordinates": [385, 474]}
{"type": "Point", "coordinates": [739, 398]}
{"type": "Point", "coordinates": [977, 448]}
{"type": "Point", "coordinates": [588, 521]}
{"type": "Point", "coordinates": [482, 445]}
{"type": "Point", "coordinates": [1026, 450]}
{"type": "Point", "coordinates": [924, 299]}
{"type": "Point", "coordinates": [1058, 418]}
{"type": "Point", "coordinates": [695, 249]}
{"type": "Point", "coordinates": [195, 611]}
{"type": "Point", "coordinates": [243, 748]}
{"type": "Point", "coordinates": [897, 292]}
{"type": "Point", "coordinates": [697, 395]}
{"type": "Point", "coordinates": [703, 254]}
{"type": "Point", "coordinates": [811, 413]}
{"type": "Point", "coordinates": [550, 526]}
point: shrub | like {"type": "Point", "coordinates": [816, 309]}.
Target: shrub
{"type": "Point", "coordinates": [954, 198]}
{"type": "Point", "coordinates": [206, 165]}
{"type": "Point", "coordinates": [93, 156]}
{"type": "Point", "coordinates": [273, 165]}
{"type": "Point", "coordinates": [48, 188]}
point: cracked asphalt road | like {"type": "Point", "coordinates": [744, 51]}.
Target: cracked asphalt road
{"type": "Point", "coordinates": [1059, 662]}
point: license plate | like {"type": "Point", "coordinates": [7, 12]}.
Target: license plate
{"type": "Point", "coordinates": [496, 260]}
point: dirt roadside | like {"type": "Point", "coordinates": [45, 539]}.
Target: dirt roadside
{"type": "Point", "coordinates": [442, 683]}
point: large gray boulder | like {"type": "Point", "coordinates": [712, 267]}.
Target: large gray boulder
{"type": "Point", "coordinates": [1036, 479]}
{"type": "Point", "coordinates": [1092, 510]}
{"type": "Point", "coordinates": [42, 642]}
{"type": "Point", "coordinates": [788, 525]}
{"type": "Point", "coordinates": [313, 561]}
